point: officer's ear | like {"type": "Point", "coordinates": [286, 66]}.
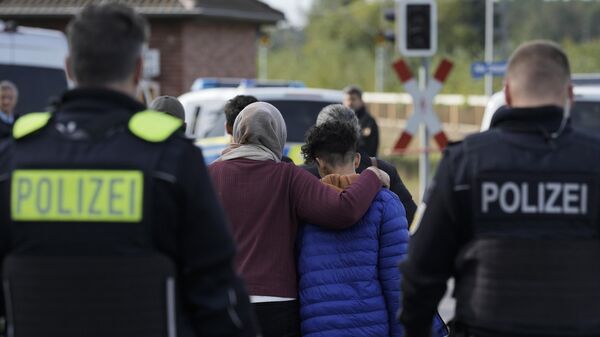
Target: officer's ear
{"type": "Point", "coordinates": [507, 97]}
{"type": "Point", "coordinates": [69, 69]}
{"type": "Point", "coordinates": [228, 129]}
{"type": "Point", "coordinates": [356, 160]}
{"type": "Point", "coordinates": [322, 167]}
{"type": "Point", "coordinates": [571, 95]}
{"type": "Point", "coordinates": [139, 70]}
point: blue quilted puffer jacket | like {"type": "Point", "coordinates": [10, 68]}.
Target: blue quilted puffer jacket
{"type": "Point", "coordinates": [349, 280]}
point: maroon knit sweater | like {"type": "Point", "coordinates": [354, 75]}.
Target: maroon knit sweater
{"type": "Point", "coordinates": [265, 201]}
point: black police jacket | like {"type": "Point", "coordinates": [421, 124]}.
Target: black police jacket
{"type": "Point", "coordinates": [512, 214]}
{"type": "Point", "coordinates": [369, 132]}
{"type": "Point", "coordinates": [176, 213]}
{"type": "Point", "coordinates": [5, 129]}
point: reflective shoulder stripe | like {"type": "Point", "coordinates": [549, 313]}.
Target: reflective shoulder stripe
{"type": "Point", "coordinates": [295, 154]}
{"type": "Point", "coordinates": [153, 126]}
{"type": "Point", "coordinates": [223, 140]}
{"type": "Point", "coordinates": [30, 123]}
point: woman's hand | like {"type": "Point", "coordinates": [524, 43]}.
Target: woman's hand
{"type": "Point", "coordinates": [383, 177]}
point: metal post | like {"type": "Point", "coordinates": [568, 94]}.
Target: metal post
{"type": "Point", "coordinates": [379, 66]}
{"type": "Point", "coordinates": [423, 134]}
{"type": "Point", "coordinates": [263, 55]}
{"type": "Point", "coordinates": [489, 44]}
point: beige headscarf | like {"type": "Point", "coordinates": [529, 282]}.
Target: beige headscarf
{"type": "Point", "coordinates": [259, 133]}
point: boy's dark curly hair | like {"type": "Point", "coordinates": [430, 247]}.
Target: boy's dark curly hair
{"type": "Point", "coordinates": [234, 106]}
{"type": "Point", "coordinates": [335, 142]}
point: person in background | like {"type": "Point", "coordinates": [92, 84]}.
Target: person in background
{"type": "Point", "coordinates": [9, 95]}
{"type": "Point", "coordinates": [338, 112]}
{"type": "Point", "coordinates": [265, 201]}
{"type": "Point", "coordinates": [233, 107]}
{"type": "Point", "coordinates": [169, 105]}
{"type": "Point", "coordinates": [369, 131]}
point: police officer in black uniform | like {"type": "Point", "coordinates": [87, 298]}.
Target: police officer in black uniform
{"type": "Point", "coordinates": [369, 131]}
{"type": "Point", "coordinates": [9, 95]}
{"type": "Point", "coordinates": [100, 176]}
{"type": "Point", "coordinates": [512, 215]}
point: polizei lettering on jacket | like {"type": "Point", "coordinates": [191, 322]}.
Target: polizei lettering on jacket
{"type": "Point", "coordinates": [77, 195]}
{"type": "Point", "coordinates": [545, 196]}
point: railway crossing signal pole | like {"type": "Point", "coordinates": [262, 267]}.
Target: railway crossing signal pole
{"type": "Point", "coordinates": [416, 36]}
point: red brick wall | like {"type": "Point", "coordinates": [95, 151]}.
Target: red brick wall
{"type": "Point", "coordinates": [166, 37]}
{"type": "Point", "coordinates": [191, 49]}
{"type": "Point", "coordinates": [218, 49]}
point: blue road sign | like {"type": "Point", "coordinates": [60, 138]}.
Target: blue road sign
{"type": "Point", "coordinates": [480, 69]}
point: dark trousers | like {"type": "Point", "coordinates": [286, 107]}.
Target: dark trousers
{"type": "Point", "coordinates": [278, 319]}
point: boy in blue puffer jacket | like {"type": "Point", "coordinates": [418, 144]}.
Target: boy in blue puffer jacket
{"type": "Point", "coordinates": [349, 281]}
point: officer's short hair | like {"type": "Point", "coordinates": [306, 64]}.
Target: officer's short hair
{"type": "Point", "coordinates": [539, 68]}
{"type": "Point", "coordinates": [353, 90]}
{"type": "Point", "coordinates": [105, 42]}
{"type": "Point", "coordinates": [234, 106]}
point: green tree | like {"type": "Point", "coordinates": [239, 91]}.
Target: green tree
{"type": "Point", "coordinates": [337, 47]}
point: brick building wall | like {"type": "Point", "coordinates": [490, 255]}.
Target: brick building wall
{"type": "Point", "coordinates": [192, 48]}
{"type": "Point", "coordinates": [215, 49]}
{"type": "Point", "coordinates": [166, 37]}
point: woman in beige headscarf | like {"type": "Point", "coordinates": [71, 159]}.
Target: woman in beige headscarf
{"type": "Point", "coordinates": [265, 199]}
{"type": "Point", "coordinates": [259, 133]}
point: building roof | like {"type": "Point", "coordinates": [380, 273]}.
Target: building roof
{"type": "Point", "coordinates": [240, 10]}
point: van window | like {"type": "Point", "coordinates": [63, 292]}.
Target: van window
{"type": "Point", "coordinates": [586, 115]}
{"type": "Point", "coordinates": [299, 116]}
{"type": "Point", "coordinates": [37, 86]}
{"type": "Point", "coordinates": [205, 119]}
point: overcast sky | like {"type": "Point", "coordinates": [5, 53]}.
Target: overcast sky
{"type": "Point", "coordinates": [294, 10]}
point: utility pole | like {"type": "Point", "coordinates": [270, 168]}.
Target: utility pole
{"type": "Point", "coordinates": [424, 134]}
{"type": "Point", "coordinates": [379, 63]}
{"type": "Point", "coordinates": [489, 45]}
{"type": "Point", "coordinates": [263, 57]}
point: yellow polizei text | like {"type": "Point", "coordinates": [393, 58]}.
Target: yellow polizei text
{"type": "Point", "coordinates": [77, 195]}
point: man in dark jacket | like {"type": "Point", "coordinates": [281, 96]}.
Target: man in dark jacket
{"type": "Point", "coordinates": [512, 216]}
{"type": "Point", "coordinates": [152, 193]}
{"type": "Point", "coordinates": [9, 95]}
{"type": "Point", "coordinates": [369, 131]}
{"type": "Point", "coordinates": [338, 112]}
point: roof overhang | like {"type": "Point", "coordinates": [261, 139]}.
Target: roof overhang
{"type": "Point", "coordinates": [42, 12]}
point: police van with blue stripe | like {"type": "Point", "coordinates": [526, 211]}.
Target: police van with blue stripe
{"type": "Point", "coordinates": [205, 119]}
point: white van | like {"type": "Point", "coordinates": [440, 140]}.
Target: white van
{"type": "Point", "coordinates": [585, 113]}
{"type": "Point", "coordinates": [33, 59]}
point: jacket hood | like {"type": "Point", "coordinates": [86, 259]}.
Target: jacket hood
{"type": "Point", "coordinates": [339, 182]}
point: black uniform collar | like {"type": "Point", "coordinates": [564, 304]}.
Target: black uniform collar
{"type": "Point", "coordinates": [545, 118]}
{"type": "Point", "coordinates": [360, 112]}
{"type": "Point", "coordinates": [98, 100]}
